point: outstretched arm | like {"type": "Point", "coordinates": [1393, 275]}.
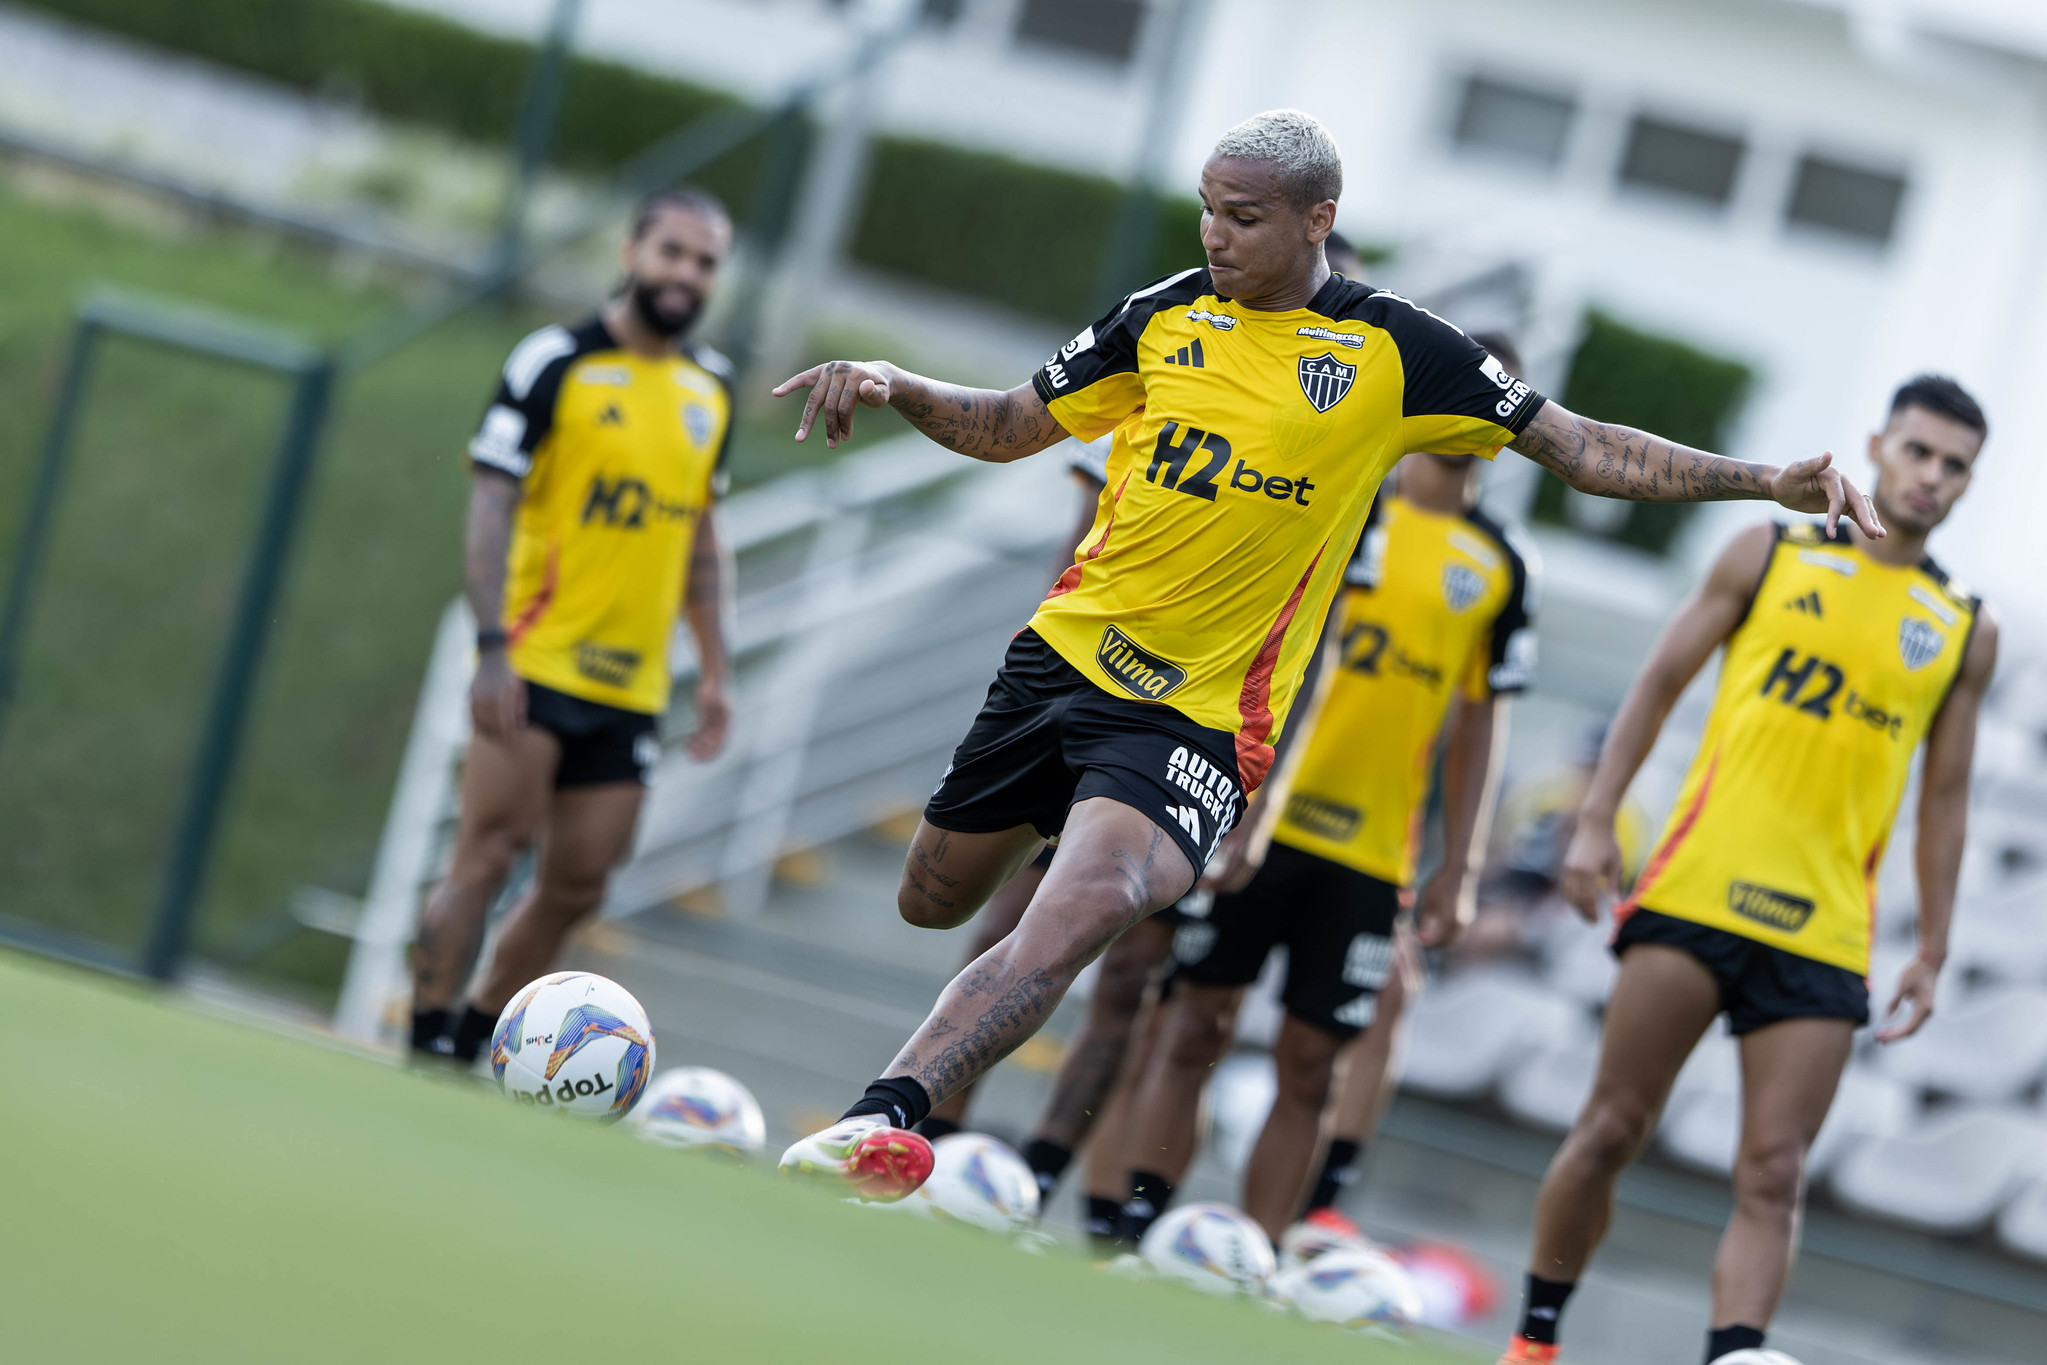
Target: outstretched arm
{"type": "Point", "coordinates": [1592, 864]}
{"type": "Point", "coordinates": [1943, 824]}
{"type": "Point", "coordinates": [984, 423]}
{"type": "Point", "coordinates": [1473, 744]}
{"type": "Point", "coordinates": [1621, 462]}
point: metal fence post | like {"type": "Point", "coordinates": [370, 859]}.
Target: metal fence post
{"type": "Point", "coordinates": [34, 537]}
{"type": "Point", "coordinates": [532, 134]}
{"type": "Point", "coordinates": [214, 763]}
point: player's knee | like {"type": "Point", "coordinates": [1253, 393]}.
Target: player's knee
{"type": "Point", "coordinates": [1197, 1036]}
{"type": "Point", "coordinates": [1612, 1132]}
{"type": "Point", "coordinates": [1119, 990]}
{"type": "Point", "coordinates": [1771, 1175]}
{"type": "Point", "coordinates": [920, 908]}
{"type": "Point", "coordinates": [1304, 1077]}
{"type": "Point", "coordinates": [487, 856]}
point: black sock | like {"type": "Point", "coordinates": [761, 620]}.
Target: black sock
{"type": "Point", "coordinates": [934, 1128]}
{"type": "Point", "coordinates": [1721, 1340]}
{"type": "Point", "coordinates": [899, 1099]}
{"type": "Point", "coordinates": [1150, 1192]}
{"type": "Point", "coordinates": [1542, 1307]}
{"type": "Point", "coordinates": [1339, 1168]}
{"type": "Point", "coordinates": [1048, 1161]}
{"type": "Point", "coordinates": [472, 1031]}
{"type": "Point", "coordinates": [429, 1027]}
{"type": "Point", "coordinates": [1103, 1218]}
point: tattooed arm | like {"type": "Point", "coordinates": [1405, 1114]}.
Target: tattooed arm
{"type": "Point", "coordinates": [1621, 462]}
{"type": "Point", "coordinates": [984, 423]}
{"type": "Point", "coordinates": [707, 606]}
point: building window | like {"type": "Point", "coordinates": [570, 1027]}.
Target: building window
{"type": "Point", "coordinates": [1099, 28]}
{"type": "Point", "coordinates": [1529, 125]}
{"type": "Point", "coordinates": [1846, 199]}
{"type": "Point", "coordinates": [1679, 160]}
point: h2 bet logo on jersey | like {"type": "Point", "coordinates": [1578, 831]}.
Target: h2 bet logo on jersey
{"type": "Point", "coordinates": [1176, 449]}
{"type": "Point", "coordinates": [1325, 380]}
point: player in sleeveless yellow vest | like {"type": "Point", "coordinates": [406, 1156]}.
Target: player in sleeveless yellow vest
{"type": "Point", "coordinates": [1256, 405]}
{"type": "Point", "coordinates": [1431, 633]}
{"type": "Point", "coordinates": [1841, 657]}
{"type": "Point", "coordinates": [590, 529]}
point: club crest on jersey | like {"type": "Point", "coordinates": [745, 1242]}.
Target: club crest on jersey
{"type": "Point", "coordinates": [699, 420]}
{"type": "Point", "coordinates": [1462, 586]}
{"type": "Point", "coordinates": [1325, 380]}
{"type": "Point", "coordinates": [1919, 643]}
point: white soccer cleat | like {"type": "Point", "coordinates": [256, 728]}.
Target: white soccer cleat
{"type": "Point", "coordinates": [864, 1156]}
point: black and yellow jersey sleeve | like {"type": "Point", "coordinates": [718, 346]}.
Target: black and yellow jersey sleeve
{"type": "Point", "coordinates": [521, 412]}
{"type": "Point", "coordinates": [1092, 385]}
{"type": "Point", "coordinates": [1456, 399]}
{"type": "Point", "coordinates": [714, 363]}
{"type": "Point", "coordinates": [1507, 664]}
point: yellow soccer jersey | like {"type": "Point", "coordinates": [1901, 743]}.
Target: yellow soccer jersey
{"type": "Point", "coordinates": [619, 455]}
{"type": "Point", "coordinates": [1431, 604]}
{"type": "Point", "coordinates": [1248, 446]}
{"type": "Point", "coordinates": [1826, 689]}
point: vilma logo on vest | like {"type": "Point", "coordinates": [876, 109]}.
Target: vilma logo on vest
{"type": "Point", "coordinates": [1325, 380]}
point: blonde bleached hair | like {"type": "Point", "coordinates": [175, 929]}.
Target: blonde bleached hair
{"type": "Point", "coordinates": [1310, 167]}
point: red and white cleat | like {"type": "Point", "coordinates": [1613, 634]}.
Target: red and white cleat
{"type": "Point", "coordinates": [1522, 1351]}
{"type": "Point", "coordinates": [865, 1157]}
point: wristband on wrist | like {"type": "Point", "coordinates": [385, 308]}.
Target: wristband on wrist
{"type": "Point", "coordinates": [488, 640]}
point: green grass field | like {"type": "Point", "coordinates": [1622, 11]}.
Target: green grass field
{"type": "Point", "coordinates": [188, 1189]}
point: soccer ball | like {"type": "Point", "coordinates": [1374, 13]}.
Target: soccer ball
{"type": "Point", "coordinates": [1304, 1241]}
{"type": "Point", "coordinates": [694, 1106]}
{"type": "Point", "coordinates": [1352, 1287]}
{"type": "Point", "coordinates": [575, 1042]}
{"type": "Point", "coordinates": [1754, 1356]}
{"type": "Point", "coordinates": [1210, 1246]}
{"type": "Point", "coordinates": [977, 1180]}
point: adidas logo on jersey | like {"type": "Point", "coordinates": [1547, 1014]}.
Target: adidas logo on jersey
{"type": "Point", "coordinates": [1189, 355]}
{"type": "Point", "coordinates": [1189, 819]}
{"type": "Point", "coordinates": [1809, 604]}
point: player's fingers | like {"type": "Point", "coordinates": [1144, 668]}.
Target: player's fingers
{"type": "Point", "coordinates": [810, 406]}
{"type": "Point", "coordinates": [1921, 1011]}
{"type": "Point", "coordinates": [848, 405]}
{"type": "Point", "coordinates": [1836, 500]}
{"type": "Point", "coordinates": [1862, 508]}
{"type": "Point", "coordinates": [797, 381]}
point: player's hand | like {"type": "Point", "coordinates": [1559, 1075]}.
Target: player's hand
{"type": "Point", "coordinates": [714, 721]}
{"type": "Point", "coordinates": [497, 697]}
{"type": "Point", "coordinates": [1447, 904]}
{"type": "Point", "coordinates": [1234, 865]}
{"type": "Point", "coordinates": [1915, 989]}
{"type": "Point", "coordinates": [837, 389]}
{"type": "Point", "coordinates": [1816, 486]}
{"type": "Point", "coordinates": [1592, 866]}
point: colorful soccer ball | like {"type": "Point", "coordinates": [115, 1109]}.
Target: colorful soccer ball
{"type": "Point", "coordinates": [694, 1106]}
{"type": "Point", "coordinates": [1304, 1241]}
{"type": "Point", "coordinates": [1352, 1287]}
{"type": "Point", "coordinates": [977, 1180]}
{"type": "Point", "coordinates": [575, 1042]}
{"type": "Point", "coordinates": [1210, 1246]}
{"type": "Point", "coordinates": [1761, 1355]}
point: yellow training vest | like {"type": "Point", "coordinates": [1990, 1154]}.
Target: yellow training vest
{"type": "Point", "coordinates": [1826, 689]}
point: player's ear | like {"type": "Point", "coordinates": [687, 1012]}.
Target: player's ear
{"type": "Point", "coordinates": [1876, 448]}
{"type": "Point", "coordinates": [1322, 221]}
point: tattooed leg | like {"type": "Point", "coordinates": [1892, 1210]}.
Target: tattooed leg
{"type": "Point", "coordinates": [947, 876]}
{"type": "Point", "coordinates": [1114, 868]}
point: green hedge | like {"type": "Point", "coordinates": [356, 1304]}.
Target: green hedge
{"type": "Point", "coordinates": [1638, 379]}
{"type": "Point", "coordinates": [1025, 235]}
{"type": "Point", "coordinates": [1021, 234]}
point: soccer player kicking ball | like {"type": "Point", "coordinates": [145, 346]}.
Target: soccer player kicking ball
{"type": "Point", "coordinates": [1256, 405]}
{"type": "Point", "coordinates": [1433, 629]}
{"type": "Point", "coordinates": [590, 527]}
{"type": "Point", "coordinates": [1842, 655]}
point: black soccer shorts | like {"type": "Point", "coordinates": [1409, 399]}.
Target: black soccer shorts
{"type": "Point", "coordinates": [1048, 737]}
{"type": "Point", "coordinates": [1760, 983]}
{"type": "Point", "coordinates": [1335, 922]}
{"type": "Point", "coordinates": [599, 743]}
